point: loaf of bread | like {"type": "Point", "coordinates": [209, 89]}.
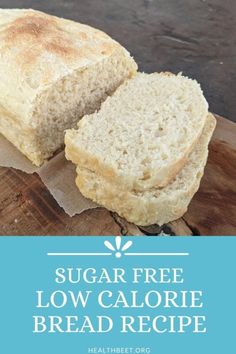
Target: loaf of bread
{"type": "Point", "coordinates": [53, 71]}
{"type": "Point", "coordinates": [156, 205]}
{"type": "Point", "coordinates": [142, 135]}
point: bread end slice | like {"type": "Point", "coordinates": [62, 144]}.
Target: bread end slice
{"type": "Point", "coordinates": [157, 205]}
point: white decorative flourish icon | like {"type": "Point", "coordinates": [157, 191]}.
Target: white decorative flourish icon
{"type": "Point", "coordinates": [117, 248]}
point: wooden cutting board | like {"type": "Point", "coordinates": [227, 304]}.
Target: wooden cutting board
{"type": "Point", "coordinates": [27, 208]}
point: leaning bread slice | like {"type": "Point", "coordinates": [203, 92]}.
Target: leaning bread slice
{"type": "Point", "coordinates": [53, 71]}
{"type": "Point", "coordinates": [156, 205]}
{"type": "Point", "coordinates": [143, 134]}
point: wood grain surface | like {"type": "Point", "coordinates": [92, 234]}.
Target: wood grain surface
{"type": "Point", "coordinates": [27, 208]}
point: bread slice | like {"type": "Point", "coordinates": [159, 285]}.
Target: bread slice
{"type": "Point", "coordinates": [53, 71]}
{"type": "Point", "coordinates": [157, 205]}
{"type": "Point", "coordinates": [143, 133]}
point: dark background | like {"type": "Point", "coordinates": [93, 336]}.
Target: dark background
{"type": "Point", "coordinates": [196, 37]}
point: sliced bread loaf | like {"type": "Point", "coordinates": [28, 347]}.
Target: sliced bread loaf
{"type": "Point", "coordinates": [53, 71]}
{"type": "Point", "coordinates": [143, 133]}
{"type": "Point", "coordinates": [157, 205]}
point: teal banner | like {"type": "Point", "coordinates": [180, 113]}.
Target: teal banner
{"type": "Point", "coordinates": [159, 295]}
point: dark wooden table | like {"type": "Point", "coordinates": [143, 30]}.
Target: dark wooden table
{"type": "Point", "coordinates": [197, 37]}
